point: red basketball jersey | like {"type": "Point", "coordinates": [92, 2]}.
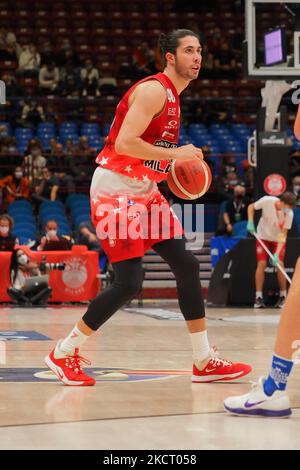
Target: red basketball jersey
{"type": "Point", "coordinates": [162, 131]}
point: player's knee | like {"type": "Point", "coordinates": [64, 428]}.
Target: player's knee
{"type": "Point", "coordinates": [129, 286]}
{"type": "Point", "coordinates": [262, 264]}
{"type": "Point", "coordinates": [188, 267]}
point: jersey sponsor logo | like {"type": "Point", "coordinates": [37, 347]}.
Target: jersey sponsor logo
{"type": "Point", "coordinates": [168, 135]}
{"type": "Point", "coordinates": [101, 374]}
{"type": "Point", "coordinates": [172, 111]}
{"type": "Point", "coordinates": [165, 143]}
{"type": "Point", "coordinates": [173, 123]}
{"type": "Point", "coordinates": [158, 165]}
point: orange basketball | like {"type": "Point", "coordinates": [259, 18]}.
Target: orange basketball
{"type": "Point", "coordinates": [189, 179]}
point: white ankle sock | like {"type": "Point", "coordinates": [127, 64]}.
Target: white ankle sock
{"type": "Point", "coordinates": [259, 294]}
{"type": "Point", "coordinates": [200, 345]}
{"type": "Point", "coordinates": [67, 346]}
{"type": "Point", "coordinates": [282, 293]}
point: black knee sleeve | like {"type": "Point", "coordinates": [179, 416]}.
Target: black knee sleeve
{"type": "Point", "coordinates": [127, 283]}
{"type": "Point", "coordinates": [185, 267]}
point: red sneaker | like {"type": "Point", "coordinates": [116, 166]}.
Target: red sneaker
{"type": "Point", "coordinates": [217, 369]}
{"type": "Point", "coordinates": [68, 369]}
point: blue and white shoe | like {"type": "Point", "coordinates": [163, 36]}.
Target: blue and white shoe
{"type": "Point", "coordinates": [257, 403]}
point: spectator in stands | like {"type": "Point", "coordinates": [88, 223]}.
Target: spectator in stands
{"type": "Point", "coordinates": [69, 148]}
{"type": "Point", "coordinates": [34, 163]}
{"type": "Point", "coordinates": [21, 269]}
{"type": "Point", "coordinates": [50, 113]}
{"type": "Point", "coordinates": [59, 163]}
{"type": "Point", "coordinates": [296, 188]}
{"type": "Point", "coordinates": [70, 81]}
{"type": "Point", "coordinates": [10, 50]}
{"type": "Point", "coordinates": [207, 65]}
{"type": "Point", "coordinates": [67, 56]}
{"type": "Point", "coordinates": [32, 114]}
{"type": "Point", "coordinates": [7, 239]}
{"type": "Point", "coordinates": [87, 236]}
{"type": "Point", "coordinates": [225, 185]}
{"type": "Point", "coordinates": [8, 146]}
{"type": "Point", "coordinates": [225, 63]}
{"type": "Point", "coordinates": [143, 61]}
{"type": "Point", "coordinates": [215, 39]}
{"type": "Point", "coordinates": [12, 88]}
{"type": "Point", "coordinates": [12, 46]}
{"type": "Point", "coordinates": [15, 187]}
{"type": "Point", "coordinates": [228, 164]}
{"type": "Point", "coordinates": [49, 79]}
{"type": "Point", "coordinates": [29, 61]}
{"type": "Point", "coordinates": [3, 44]}
{"type": "Point", "coordinates": [236, 42]}
{"type": "Point", "coordinates": [295, 162]}
{"type": "Point", "coordinates": [82, 163]}
{"type": "Point", "coordinates": [89, 76]}
{"type": "Point", "coordinates": [236, 209]}
{"type": "Point", "coordinates": [45, 188]}
{"type": "Point", "coordinates": [47, 53]}
{"type": "Point", "coordinates": [51, 235]}
{"type": "Point", "coordinates": [52, 144]}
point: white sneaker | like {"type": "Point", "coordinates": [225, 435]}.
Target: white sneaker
{"type": "Point", "coordinates": [257, 403]}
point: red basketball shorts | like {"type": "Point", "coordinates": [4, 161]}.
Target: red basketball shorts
{"type": "Point", "coordinates": [272, 246]}
{"type": "Point", "coordinates": [131, 217]}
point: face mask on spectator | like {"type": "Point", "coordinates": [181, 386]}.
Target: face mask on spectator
{"type": "Point", "coordinates": [35, 152]}
{"type": "Point", "coordinates": [18, 174]}
{"type": "Point", "coordinates": [239, 196]}
{"type": "Point", "coordinates": [51, 233]}
{"type": "Point", "coordinates": [297, 188]}
{"type": "Point", "coordinates": [4, 230]}
{"type": "Point", "coordinates": [23, 259]}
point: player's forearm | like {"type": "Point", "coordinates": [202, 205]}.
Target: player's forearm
{"type": "Point", "coordinates": [250, 211]}
{"type": "Point", "coordinates": [138, 148]}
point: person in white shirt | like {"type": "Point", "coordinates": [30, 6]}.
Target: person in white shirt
{"type": "Point", "coordinates": [272, 229]}
{"type": "Point", "coordinates": [30, 61]}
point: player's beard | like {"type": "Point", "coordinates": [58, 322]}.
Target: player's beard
{"type": "Point", "coordinates": [184, 72]}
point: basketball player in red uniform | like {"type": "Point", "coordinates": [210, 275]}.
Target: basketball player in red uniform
{"type": "Point", "coordinates": [141, 144]}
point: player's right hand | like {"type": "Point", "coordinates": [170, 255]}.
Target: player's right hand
{"type": "Point", "coordinates": [187, 152]}
{"type": "Point", "coordinates": [251, 227]}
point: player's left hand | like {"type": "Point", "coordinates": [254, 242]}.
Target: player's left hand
{"type": "Point", "coordinates": [275, 259]}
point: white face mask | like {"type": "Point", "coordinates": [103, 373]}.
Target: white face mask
{"type": "Point", "coordinates": [51, 233]}
{"type": "Point", "coordinates": [18, 174]}
{"type": "Point", "coordinates": [23, 259]}
{"type": "Point", "coordinates": [4, 230]}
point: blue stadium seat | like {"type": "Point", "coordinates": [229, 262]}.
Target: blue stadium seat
{"type": "Point", "coordinates": [19, 218]}
{"type": "Point", "coordinates": [25, 236]}
{"type": "Point", "coordinates": [73, 199]}
{"type": "Point", "coordinates": [25, 226]}
{"type": "Point", "coordinates": [59, 218]}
